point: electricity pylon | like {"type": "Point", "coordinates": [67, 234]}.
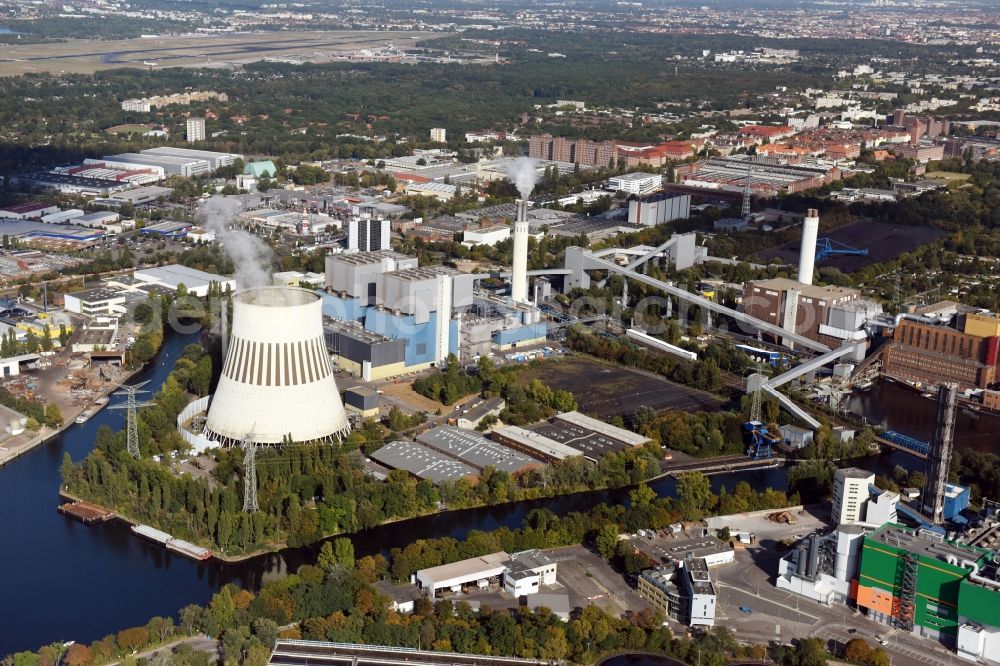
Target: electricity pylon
{"type": "Point", "coordinates": [249, 474]}
{"type": "Point", "coordinates": [130, 404]}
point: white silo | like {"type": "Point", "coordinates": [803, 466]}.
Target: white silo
{"type": "Point", "coordinates": [807, 251]}
{"type": "Point", "coordinates": [277, 379]}
{"type": "Point", "coordinates": [519, 269]}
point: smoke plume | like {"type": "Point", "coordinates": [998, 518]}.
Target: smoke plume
{"type": "Point", "coordinates": [251, 256]}
{"type": "Point", "coordinates": [524, 175]}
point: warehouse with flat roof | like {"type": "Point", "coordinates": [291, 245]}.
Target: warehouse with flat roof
{"type": "Point", "coordinates": [475, 450]}
{"type": "Point", "coordinates": [423, 462]}
{"type": "Point", "coordinates": [465, 572]}
{"type": "Point", "coordinates": [533, 443]}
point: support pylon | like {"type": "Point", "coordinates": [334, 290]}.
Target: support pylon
{"type": "Point", "coordinates": [249, 474]}
{"type": "Point", "coordinates": [755, 407]}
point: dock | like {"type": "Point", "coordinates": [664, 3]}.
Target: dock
{"type": "Point", "coordinates": [86, 512]}
{"type": "Point", "coordinates": [178, 546]}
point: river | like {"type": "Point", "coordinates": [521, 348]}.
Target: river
{"type": "Point", "coordinates": [62, 580]}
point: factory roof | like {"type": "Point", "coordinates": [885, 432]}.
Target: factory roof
{"type": "Point", "coordinates": [422, 462]}
{"type": "Point", "coordinates": [174, 274]}
{"type": "Point", "coordinates": [141, 194]}
{"type": "Point", "coordinates": [422, 273]}
{"type": "Point", "coordinates": [153, 159]}
{"type": "Point", "coordinates": [465, 569]}
{"type": "Point", "coordinates": [21, 209]}
{"type": "Point", "coordinates": [95, 294]}
{"type": "Point", "coordinates": [365, 258]}
{"type": "Point", "coordinates": [354, 330]}
{"type": "Point", "coordinates": [636, 176]}
{"type": "Point", "coordinates": [697, 548]}
{"type": "Point", "coordinates": [546, 446]}
{"type": "Point", "coordinates": [924, 542]}
{"type": "Point", "coordinates": [828, 292]}
{"type": "Point", "coordinates": [474, 449]}
{"type": "Point", "coordinates": [606, 429]}
{"type": "Point", "coordinates": [662, 578]}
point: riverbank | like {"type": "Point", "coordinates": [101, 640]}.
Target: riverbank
{"type": "Point", "coordinates": [10, 452]}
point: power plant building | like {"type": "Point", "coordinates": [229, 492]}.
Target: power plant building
{"type": "Point", "coordinates": [930, 349]}
{"type": "Point", "coordinates": [366, 234]}
{"type": "Point", "coordinates": [659, 209]}
{"type": "Point", "coordinates": [827, 314]}
{"type": "Point", "coordinates": [921, 583]}
{"type": "Point", "coordinates": [277, 379]}
{"type": "Point", "coordinates": [433, 311]}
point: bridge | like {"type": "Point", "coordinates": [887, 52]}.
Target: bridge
{"type": "Point", "coordinates": [904, 443]}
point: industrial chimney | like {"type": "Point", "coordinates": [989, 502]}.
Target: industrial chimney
{"type": "Point", "coordinates": [939, 456]}
{"type": "Point", "coordinates": [807, 252]}
{"type": "Point", "coordinates": [277, 380]}
{"type": "Point", "coordinates": [519, 270]}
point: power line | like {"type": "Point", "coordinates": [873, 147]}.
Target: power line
{"type": "Point", "coordinates": [130, 404]}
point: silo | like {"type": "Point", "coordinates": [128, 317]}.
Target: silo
{"type": "Point", "coordinates": [277, 379]}
{"type": "Point", "coordinates": [807, 251]}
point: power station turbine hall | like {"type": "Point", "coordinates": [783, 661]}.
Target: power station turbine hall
{"type": "Point", "coordinates": [277, 379]}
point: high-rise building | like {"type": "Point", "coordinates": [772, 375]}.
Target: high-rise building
{"type": "Point", "coordinates": [195, 129]}
{"type": "Point", "coordinates": [850, 494]}
{"type": "Point", "coordinates": [439, 134]}
{"type": "Point", "coordinates": [367, 234]}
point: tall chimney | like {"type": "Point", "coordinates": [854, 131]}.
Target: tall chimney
{"type": "Point", "coordinates": [519, 270]}
{"type": "Point", "coordinates": [807, 252]}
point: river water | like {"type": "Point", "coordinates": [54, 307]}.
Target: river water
{"type": "Point", "coordinates": [62, 580]}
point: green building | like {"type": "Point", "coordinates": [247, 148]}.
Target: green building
{"type": "Point", "coordinates": [262, 169]}
{"type": "Point", "coordinates": [919, 582]}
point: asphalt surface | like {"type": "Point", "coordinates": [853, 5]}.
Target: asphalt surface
{"type": "Point", "coordinates": [777, 615]}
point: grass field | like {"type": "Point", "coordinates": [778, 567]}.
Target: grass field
{"type": "Point", "coordinates": [607, 390]}
{"type": "Point", "coordinates": [949, 175]}
{"type": "Point", "coordinates": [129, 129]}
{"type": "Point", "coordinates": [86, 56]}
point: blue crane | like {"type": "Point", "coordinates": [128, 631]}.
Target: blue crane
{"type": "Point", "coordinates": [827, 247]}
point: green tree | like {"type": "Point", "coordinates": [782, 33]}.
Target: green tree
{"type": "Point", "coordinates": [606, 540]}
{"type": "Point", "coordinates": [694, 492]}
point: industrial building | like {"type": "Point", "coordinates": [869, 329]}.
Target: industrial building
{"type": "Point", "coordinates": [527, 572]}
{"type": "Point", "coordinates": [364, 354]}
{"type": "Point", "coordinates": [823, 567]}
{"type": "Point", "coordinates": [215, 159]}
{"type": "Point", "coordinates": [534, 444]}
{"type": "Point", "coordinates": [475, 450]}
{"type": "Point", "coordinates": [766, 179]}
{"type": "Point", "coordinates": [172, 276]}
{"type": "Point", "coordinates": [51, 237]}
{"type": "Point", "coordinates": [321, 653]}
{"type": "Point", "coordinates": [637, 183]}
{"type": "Point", "coordinates": [659, 209]}
{"type": "Point", "coordinates": [931, 349]}
{"type": "Point", "coordinates": [850, 494]}
{"type": "Point", "coordinates": [920, 582]}
{"type": "Point", "coordinates": [423, 462]}
{"type": "Point", "coordinates": [277, 379]}
{"type": "Point", "coordinates": [827, 314]}
{"type": "Point", "coordinates": [589, 436]}
{"type": "Point", "coordinates": [474, 571]}
{"type": "Point", "coordinates": [435, 311]}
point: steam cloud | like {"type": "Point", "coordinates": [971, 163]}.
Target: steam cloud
{"type": "Point", "coordinates": [250, 254]}
{"type": "Point", "coordinates": [523, 174]}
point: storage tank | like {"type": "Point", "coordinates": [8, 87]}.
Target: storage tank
{"type": "Point", "coordinates": [277, 379]}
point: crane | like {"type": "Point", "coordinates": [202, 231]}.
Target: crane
{"type": "Point", "coordinates": [827, 247]}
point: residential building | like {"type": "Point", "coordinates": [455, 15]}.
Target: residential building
{"type": "Point", "coordinates": [439, 134]}
{"type": "Point", "coordinates": [195, 129]}
{"type": "Point", "coordinates": [366, 234]}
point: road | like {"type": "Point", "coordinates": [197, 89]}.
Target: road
{"type": "Point", "coordinates": [199, 642]}
{"type": "Point", "coordinates": [778, 615]}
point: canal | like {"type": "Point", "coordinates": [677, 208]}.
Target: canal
{"type": "Point", "coordinates": [61, 580]}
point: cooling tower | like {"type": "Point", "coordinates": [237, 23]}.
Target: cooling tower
{"type": "Point", "coordinates": [807, 251]}
{"type": "Point", "coordinates": [277, 379]}
{"type": "Point", "coordinates": [519, 269]}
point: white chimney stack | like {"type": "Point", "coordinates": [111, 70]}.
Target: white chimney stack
{"type": "Point", "coordinates": [807, 252]}
{"type": "Point", "coordinates": [519, 270]}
